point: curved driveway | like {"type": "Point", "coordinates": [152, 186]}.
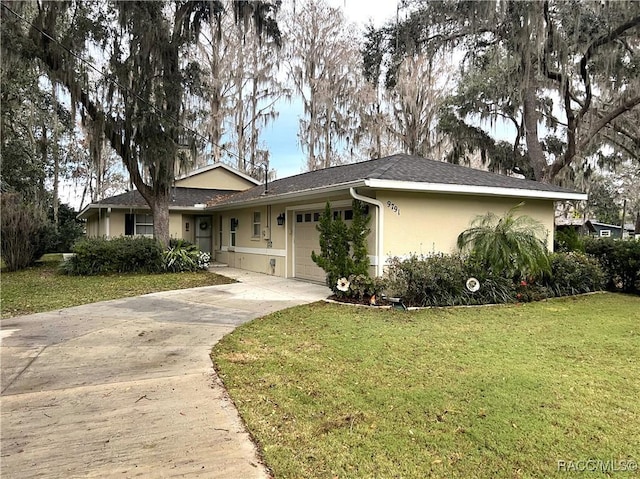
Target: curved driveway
{"type": "Point", "coordinates": [126, 388]}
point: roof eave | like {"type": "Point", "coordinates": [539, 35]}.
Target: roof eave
{"type": "Point", "coordinates": [267, 199]}
{"type": "Point", "coordinates": [473, 190]}
{"type": "Point", "coordinates": [84, 214]}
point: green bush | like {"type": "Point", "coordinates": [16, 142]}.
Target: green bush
{"type": "Point", "coordinates": [567, 240]}
{"type": "Point", "coordinates": [437, 280]}
{"type": "Point", "coordinates": [95, 256]}
{"type": "Point", "coordinates": [69, 230]}
{"type": "Point", "coordinates": [440, 280]}
{"type": "Point", "coordinates": [574, 273]}
{"type": "Point", "coordinates": [184, 256]}
{"type": "Point", "coordinates": [508, 245]}
{"type": "Point", "coordinates": [620, 260]}
{"type": "Point", "coordinates": [25, 232]}
{"type": "Point", "coordinates": [343, 249]}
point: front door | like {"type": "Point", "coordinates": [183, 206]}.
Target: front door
{"type": "Point", "coordinates": [203, 233]}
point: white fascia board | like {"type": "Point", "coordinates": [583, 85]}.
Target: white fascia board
{"type": "Point", "coordinates": [102, 206]}
{"type": "Point", "coordinates": [287, 197]}
{"type": "Point", "coordinates": [473, 190]}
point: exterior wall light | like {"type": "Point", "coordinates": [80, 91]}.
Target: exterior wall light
{"type": "Point", "coordinates": [280, 219]}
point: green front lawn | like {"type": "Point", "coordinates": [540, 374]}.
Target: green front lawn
{"type": "Point", "coordinates": [506, 391]}
{"type": "Point", "coordinates": [41, 288]}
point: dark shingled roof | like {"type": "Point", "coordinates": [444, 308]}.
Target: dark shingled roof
{"type": "Point", "coordinates": [182, 197]}
{"type": "Point", "coordinates": [399, 167]}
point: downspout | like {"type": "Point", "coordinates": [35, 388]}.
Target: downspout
{"type": "Point", "coordinates": [379, 228]}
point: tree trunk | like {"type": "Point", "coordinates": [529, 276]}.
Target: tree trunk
{"type": "Point", "coordinates": [160, 211]}
{"type": "Point", "coordinates": [56, 157]}
{"type": "Point", "coordinates": [530, 117]}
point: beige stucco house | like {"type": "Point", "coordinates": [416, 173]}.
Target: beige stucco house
{"type": "Point", "coordinates": [416, 206]}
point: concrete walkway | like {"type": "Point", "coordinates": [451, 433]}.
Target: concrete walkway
{"type": "Point", "coordinates": [126, 388]}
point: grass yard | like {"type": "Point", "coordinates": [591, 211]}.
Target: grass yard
{"type": "Point", "coordinates": [41, 288]}
{"type": "Point", "coordinates": [332, 391]}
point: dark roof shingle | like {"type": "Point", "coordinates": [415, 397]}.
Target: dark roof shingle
{"type": "Point", "coordinates": [399, 167]}
{"type": "Point", "coordinates": [180, 197]}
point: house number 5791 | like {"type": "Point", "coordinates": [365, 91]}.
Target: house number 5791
{"type": "Point", "coordinates": [393, 207]}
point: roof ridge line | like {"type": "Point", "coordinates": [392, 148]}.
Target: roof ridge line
{"type": "Point", "coordinates": [382, 169]}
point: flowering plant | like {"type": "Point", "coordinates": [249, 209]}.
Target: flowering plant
{"type": "Point", "coordinates": [343, 285]}
{"type": "Point", "coordinates": [203, 260]}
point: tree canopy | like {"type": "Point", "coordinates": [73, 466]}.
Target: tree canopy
{"type": "Point", "coordinates": [564, 74]}
{"type": "Point", "coordinates": [130, 82]}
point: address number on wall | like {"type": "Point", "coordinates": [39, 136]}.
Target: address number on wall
{"type": "Point", "coordinates": [395, 208]}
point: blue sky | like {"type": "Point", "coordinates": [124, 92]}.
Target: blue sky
{"type": "Point", "coordinates": [281, 139]}
{"type": "Point", "coordinates": [281, 136]}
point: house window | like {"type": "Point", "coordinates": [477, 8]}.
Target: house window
{"type": "Point", "coordinates": [307, 217]}
{"type": "Point", "coordinates": [233, 227]}
{"type": "Point", "coordinates": [144, 225]}
{"type": "Point", "coordinates": [298, 218]}
{"type": "Point", "coordinates": [316, 217]}
{"type": "Point", "coordinates": [138, 224]}
{"type": "Point", "coordinates": [605, 233]}
{"type": "Point", "coordinates": [348, 215]}
{"type": "Point", "coordinates": [256, 224]}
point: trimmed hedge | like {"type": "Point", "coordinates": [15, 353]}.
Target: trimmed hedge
{"type": "Point", "coordinates": [95, 256]}
{"type": "Point", "coordinates": [574, 273]}
{"type": "Point", "coordinates": [440, 280]}
{"type": "Point", "coordinates": [620, 260]}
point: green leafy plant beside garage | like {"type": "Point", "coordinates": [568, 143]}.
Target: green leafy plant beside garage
{"type": "Point", "coordinates": [343, 249]}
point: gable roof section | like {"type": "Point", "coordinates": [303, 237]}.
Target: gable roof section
{"type": "Point", "coordinates": [214, 166]}
{"type": "Point", "coordinates": [401, 172]}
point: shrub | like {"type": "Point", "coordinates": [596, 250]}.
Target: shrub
{"type": "Point", "coordinates": [507, 245]}
{"type": "Point", "coordinates": [117, 255]}
{"type": "Point", "coordinates": [437, 280]}
{"type": "Point", "coordinates": [363, 287]}
{"type": "Point", "coordinates": [574, 273]}
{"type": "Point", "coordinates": [343, 249]}
{"type": "Point", "coordinates": [567, 240]}
{"type": "Point", "coordinates": [25, 232]}
{"type": "Point", "coordinates": [494, 289]}
{"type": "Point", "coordinates": [440, 280]}
{"type": "Point", "coordinates": [69, 230]}
{"type": "Point", "coordinates": [184, 256]}
{"type": "Point", "coordinates": [620, 260]}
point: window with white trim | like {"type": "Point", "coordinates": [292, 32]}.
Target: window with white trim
{"type": "Point", "coordinates": [257, 228]}
{"type": "Point", "coordinates": [144, 225]}
{"type": "Point", "coordinates": [138, 224]}
{"type": "Point", "coordinates": [605, 233]}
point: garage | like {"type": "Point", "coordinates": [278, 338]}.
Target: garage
{"type": "Point", "coordinates": [306, 240]}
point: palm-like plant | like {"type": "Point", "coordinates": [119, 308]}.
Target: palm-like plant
{"type": "Point", "coordinates": [509, 244]}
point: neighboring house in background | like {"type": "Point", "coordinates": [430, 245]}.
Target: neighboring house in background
{"type": "Point", "coordinates": [604, 230]}
{"type": "Point", "coordinates": [416, 206]}
{"type": "Point", "coordinates": [594, 228]}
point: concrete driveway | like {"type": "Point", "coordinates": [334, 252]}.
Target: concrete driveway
{"type": "Point", "coordinates": [126, 388]}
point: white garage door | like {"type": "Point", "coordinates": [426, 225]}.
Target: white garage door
{"type": "Point", "coordinates": [306, 240]}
